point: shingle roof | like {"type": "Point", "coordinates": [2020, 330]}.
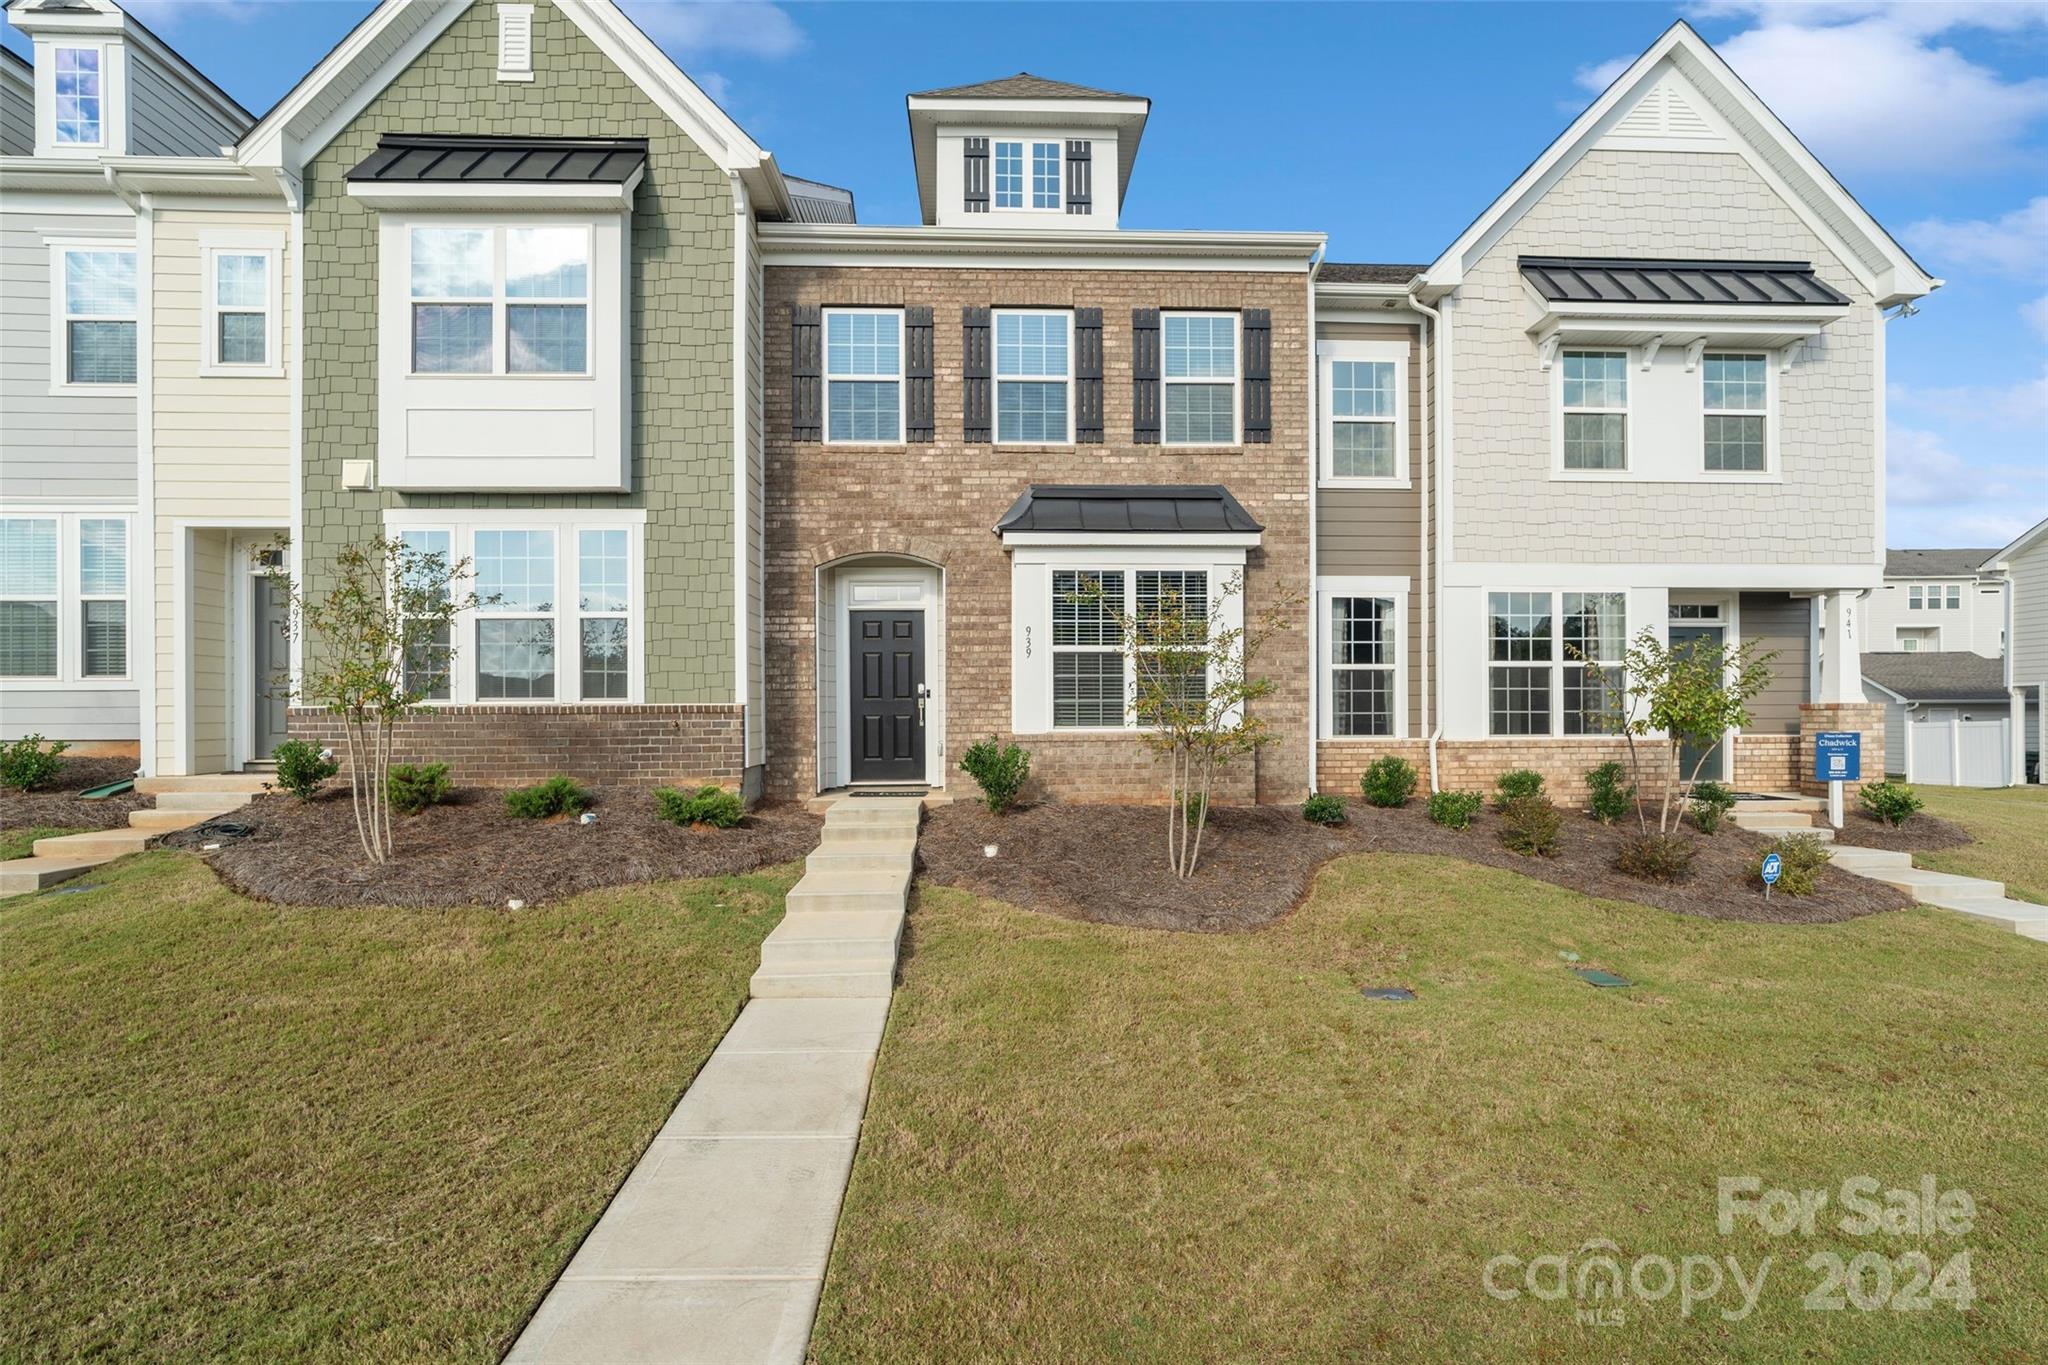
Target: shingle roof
{"type": "Point", "coordinates": [1022, 86]}
{"type": "Point", "coordinates": [1573, 279]}
{"type": "Point", "coordinates": [527, 160]}
{"type": "Point", "coordinates": [1127, 509]}
{"type": "Point", "coordinates": [1355, 272]}
{"type": "Point", "coordinates": [1934, 563]}
{"type": "Point", "coordinates": [1929, 675]}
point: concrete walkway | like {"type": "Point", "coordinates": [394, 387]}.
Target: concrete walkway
{"type": "Point", "coordinates": [181, 802]}
{"type": "Point", "coordinates": [714, 1249]}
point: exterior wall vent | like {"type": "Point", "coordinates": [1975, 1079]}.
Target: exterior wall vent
{"type": "Point", "coordinates": [515, 42]}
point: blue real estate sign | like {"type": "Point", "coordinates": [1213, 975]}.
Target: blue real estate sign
{"type": "Point", "coordinates": [1838, 756]}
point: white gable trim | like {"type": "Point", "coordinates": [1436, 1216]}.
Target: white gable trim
{"type": "Point", "coordinates": [2003, 559]}
{"type": "Point", "coordinates": [1880, 265]}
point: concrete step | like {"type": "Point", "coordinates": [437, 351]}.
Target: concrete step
{"type": "Point", "coordinates": [100, 845]}
{"type": "Point", "coordinates": [2021, 917]}
{"type": "Point", "coordinates": [826, 980]}
{"type": "Point", "coordinates": [868, 838]}
{"type": "Point", "coordinates": [157, 821]}
{"type": "Point", "coordinates": [209, 802]}
{"type": "Point", "coordinates": [251, 784]}
{"type": "Point", "coordinates": [22, 876]}
{"type": "Point", "coordinates": [1784, 801]}
{"type": "Point", "coordinates": [1864, 861]}
{"type": "Point", "coordinates": [905, 820]}
{"type": "Point", "coordinates": [1920, 882]}
{"type": "Point", "coordinates": [849, 891]}
{"type": "Point", "coordinates": [835, 936]}
{"type": "Point", "coordinates": [1776, 819]}
{"type": "Point", "coordinates": [860, 858]}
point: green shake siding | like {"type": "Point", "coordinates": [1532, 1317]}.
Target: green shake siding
{"type": "Point", "coordinates": [681, 340]}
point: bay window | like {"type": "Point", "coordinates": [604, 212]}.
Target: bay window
{"type": "Point", "coordinates": [1034, 378]}
{"type": "Point", "coordinates": [1554, 662]}
{"type": "Point", "coordinates": [93, 289]}
{"type": "Point", "coordinates": [1595, 404]}
{"type": "Point", "coordinates": [64, 597]}
{"type": "Point", "coordinates": [1199, 378]}
{"type": "Point", "coordinates": [1736, 393]}
{"type": "Point", "coordinates": [864, 376]}
{"type": "Point", "coordinates": [500, 300]}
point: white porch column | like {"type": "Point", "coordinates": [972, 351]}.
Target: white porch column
{"type": "Point", "coordinates": [1841, 663]}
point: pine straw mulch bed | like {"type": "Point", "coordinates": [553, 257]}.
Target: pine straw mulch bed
{"type": "Point", "coordinates": [1107, 864]}
{"type": "Point", "coordinates": [56, 805]}
{"type": "Point", "coordinates": [472, 852]}
{"type": "Point", "coordinates": [1920, 834]}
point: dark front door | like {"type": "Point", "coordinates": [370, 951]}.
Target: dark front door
{"type": "Point", "coordinates": [273, 659]}
{"type": "Point", "coordinates": [888, 695]}
{"type": "Point", "coordinates": [1715, 769]}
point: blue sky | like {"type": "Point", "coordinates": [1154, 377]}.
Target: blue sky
{"type": "Point", "coordinates": [1331, 117]}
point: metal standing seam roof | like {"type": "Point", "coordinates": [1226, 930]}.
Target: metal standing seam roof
{"type": "Point", "coordinates": [817, 202]}
{"type": "Point", "coordinates": [1128, 509]}
{"type": "Point", "coordinates": [410, 158]}
{"type": "Point", "coordinates": [1934, 563]}
{"type": "Point", "coordinates": [1937, 675]}
{"type": "Point", "coordinates": [1572, 279]}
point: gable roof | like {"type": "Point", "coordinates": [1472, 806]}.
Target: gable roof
{"type": "Point", "coordinates": [1809, 188]}
{"type": "Point", "coordinates": [1022, 86]}
{"type": "Point", "coordinates": [1361, 272]}
{"type": "Point", "coordinates": [103, 14]}
{"type": "Point", "coordinates": [1931, 675]}
{"type": "Point", "coordinates": [1934, 563]}
{"type": "Point", "coordinates": [2025, 540]}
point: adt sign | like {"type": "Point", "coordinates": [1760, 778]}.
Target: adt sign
{"type": "Point", "coordinates": [1838, 756]}
{"type": "Point", "coordinates": [1773, 868]}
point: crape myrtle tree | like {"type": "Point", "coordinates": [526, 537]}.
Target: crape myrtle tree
{"type": "Point", "coordinates": [378, 640]}
{"type": "Point", "coordinates": [1192, 689]}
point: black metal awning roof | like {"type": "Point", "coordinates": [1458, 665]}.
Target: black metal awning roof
{"type": "Point", "coordinates": [1585, 279]}
{"type": "Point", "coordinates": [1128, 509]}
{"type": "Point", "coordinates": [417, 159]}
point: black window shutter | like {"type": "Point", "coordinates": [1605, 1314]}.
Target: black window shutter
{"type": "Point", "coordinates": [1088, 376]}
{"type": "Point", "coordinates": [974, 374]}
{"type": "Point", "coordinates": [1080, 176]}
{"type": "Point", "coordinates": [806, 379]}
{"type": "Point", "coordinates": [1258, 376]}
{"type": "Point", "coordinates": [974, 167]}
{"type": "Point", "coordinates": [1145, 376]}
{"type": "Point", "coordinates": [917, 374]}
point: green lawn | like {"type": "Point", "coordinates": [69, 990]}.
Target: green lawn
{"type": "Point", "coordinates": [2011, 825]}
{"type": "Point", "coordinates": [1089, 1143]}
{"type": "Point", "coordinates": [20, 843]}
{"type": "Point", "coordinates": [238, 1132]}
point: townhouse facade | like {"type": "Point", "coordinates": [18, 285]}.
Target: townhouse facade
{"type": "Point", "coordinates": [760, 495]}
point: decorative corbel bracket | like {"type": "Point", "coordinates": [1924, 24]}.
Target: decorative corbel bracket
{"type": "Point", "coordinates": [1790, 354]}
{"type": "Point", "coordinates": [1693, 351]}
{"type": "Point", "coordinates": [1650, 349]}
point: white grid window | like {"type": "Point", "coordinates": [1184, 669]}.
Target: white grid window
{"type": "Point", "coordinates": [1595, 625]}
{"type": "Point", "coordinates": [864, 375]}
{"type": "Point", "coordinates": [515, 626]}
{"type": "Point", "coordinates": [1554, 662]}
{"type": "Point", "coordinates": [500, 300]}
{"type": "Point", "coordinates": [1009, 157]}
{"type": "Point", "coordinates": [604, 597]}
{"type": "Point", "coordinates": [64, 597]}
{"type": "Point", "coordinates": [97, 307]}
{"type": "Point", "coordinates": [103, 597]}
{"type": "Point", "coordinates": [1736, 392]}
{"type": "Point", "coordinates": [1045, 175]}
{"type": "Point", "coordinates": [1363, 649]}
{"type": "Point", "coordinates": [1200, 378]}
{"type": "Point", "coordinates": [1088, 688]}
{"type": "Point", "coordinates": [1914, 601]}
{"type": "Point", "coordinates": [1519, 658]}
{"type": "Point", "coordinates": [1034, 375]}
{"type": "Point", "coordinates": [427, 662]}
{"type": "Point", "coordinates": [241, 307]}
{"type": "Point", "coordinates": [81, 96]}
{"type": "Point", "coordinates": [1595, 410]}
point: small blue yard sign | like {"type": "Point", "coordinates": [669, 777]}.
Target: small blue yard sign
{"type": "Point", "coordinates": [1838, 756]}
{"type": "Point", "coordinates": [1773, 865]}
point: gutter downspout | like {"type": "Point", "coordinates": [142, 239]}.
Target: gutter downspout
{"type": "Point", "coordinates": [1433, 446]}
{"type": "Point", "coordinates": [1316, 682]}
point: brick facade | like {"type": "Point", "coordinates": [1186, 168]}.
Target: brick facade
{"type": "Point", "coordinates": [1766, 763]}
{"type": "Point", "coordinates": [1475, 764]}
{"type": "Point", "coordinates": [939, 501]}
{"type": "Point", "coordinates": [1865, 717]}
{"type": "Point", "coordinates": [507, 746]}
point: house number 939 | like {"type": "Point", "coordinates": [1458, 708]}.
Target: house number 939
{"type": "Point", "coordinates": [1027, 642]}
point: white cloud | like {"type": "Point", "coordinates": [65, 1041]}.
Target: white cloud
{"type": "Point", "coordinates": [2015, 245]}
{"type": "Point", "coordinates": [2023, 405]}
{"type": "Point", "coordinates": [1934, 497]}
{"type": "Point", "coordinates": [1871, 89]}
{"type": "Point", "coordinates": [167, 15]}
{"type": "Point", "coordinates": [750, 27]}
{"type": "Point", "coordinates": [2036, 314]}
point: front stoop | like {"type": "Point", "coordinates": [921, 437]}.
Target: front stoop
{"type": "Point", "coordinates": [181, 802]}
{"type": "Point", "coordinates": [1985, 900]}
{"type": "Point", "coordinates": [714, 1249]}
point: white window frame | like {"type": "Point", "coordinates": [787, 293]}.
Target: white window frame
{"type": "Point", "coordinates": [1328, 353]}
{"type": "Point", "coordinates": [1558, 412]}
{"type": "Point", "coordinates": [455, 588]}
{"type": "Point", "coordinates": [1236, 378]}
{"type": "Point", "coordinates": [71, 599]}
{"type": "Point", "coordinates": [61, 316]}
{"type": "Point", "coordinates": [106, 96]}
{"type": "Point", "coordinates": [1558, 662]}
{"type": "Point", "coordinates": [825, 372]}
{"type": "Point", "coordinates": [581, 614]}
{"type": "Point", "coordinates": [1329, 590]}
{"type": "Point", "coordinates": [567, 527]}
{"type": "Point", "coordinates": [1767, 412]}
{"type": "Point", "coordinates": [1917, 639]}
{"type": "Point", "coordinates": [501, 303]}
{"type": "Point", "coordinates": [270, 246]}
{"type": "Point", "coordinates": [1066, 380]}
{"type": "Point", "coordinates": [1027, 145]}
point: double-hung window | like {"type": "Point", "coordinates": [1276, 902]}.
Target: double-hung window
{"type": "Point", "coordinates": [64, 597]}
{"type": "Point", "coordinates": [1200, 378]}
{"type": "Point", "coordinates": [243, 293]}
{"type": "Point", "coordinates": [1595, 403]}
{"type": "Point", "coordinates": [1914, 598]}
{"type": "Point", "coordinates": [81, 96]}
{"type": "Point", "coordinates": [1088, 688]}
{"type": "Point", "coordinates": [1034, 378]}
{"type": "Point", "coordinates": [864, 375]}
{"type": "Point", "coordinates": [1027, 170]}
{"type": "Point", "coordinates": [1554, 662]}
{"type": "Point", "coordinates": [603, 597]}
{"type": "Point", "coordinates": [1522, 649]}
{"type": "Point", "coordinates": [500, 300]}
{"type": "Point", "coordinates": [515, 625]}
{"type": "Point", "coordinates": [1363, 632]}
{"type": "Point", "coordinates": [95, 294]}
{"type": "Point", "coordinates": [1365, 411]}
{"type": "Point", "coordinates": [430, 558]}
{"type": "Point", "coordinates": [1595, 624]}
{"type": "Point", "coordinates": [1173, 615]}
{"type": "Point", "coordinates": [1736, 393]}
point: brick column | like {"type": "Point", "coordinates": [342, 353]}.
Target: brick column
{"type": "Point", "coordinates": [1866, 717]}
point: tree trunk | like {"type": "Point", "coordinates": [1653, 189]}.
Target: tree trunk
{"type": "Point", "coordinates": [1202, 821]}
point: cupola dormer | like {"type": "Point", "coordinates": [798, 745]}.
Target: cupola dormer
{"type": "Point", "coordinates": [95, 66]}
{"type": "Point", "coordinates": [1024, 151]}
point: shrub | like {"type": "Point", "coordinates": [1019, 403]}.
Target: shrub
{"type": "Point", "coordinates": [1802, 855]}
{"type": "Point", "coordinates": [713, 806]}
{"type": "Point", "coordinates": [301, 767]}
{"type": "Point", "coordinates": [1711, 802]}
{"type": "Point", "coordinates": [1323, 809]}
{"type": "Point", "coordinates": [999, 770]}
{"type": "Point", "coordinates": [557, 796]}
{"type": "Point", "coordinates": [1612, 795]}
{"type": "Point", "coordinates": [1196, 805]}
{"type": "Point", "coordinates": [1529, 825]}
{"type": "Point", "coordinates": [1656, 857]}
{"type": "Point", "coordinates": [1389, 781]}
{"type": "Point", "coordinates": [1454, 810]}
{"type": "Point", "coordinates": [1891, 802]}
{"type": "Point", "coordinates": [415, 786]}
{"type": "Point", "coordinates": [26, 764]}
{"type": "Point", "coordinates": [1515, 784]}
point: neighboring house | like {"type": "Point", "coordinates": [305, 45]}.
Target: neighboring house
{"type": "Point", "coordinates": [2024, 567]}
{"type": "Point", "coordinates": [106, 115]}
{"type": "Point", "coordinates": [1947, 717]}
{"type": "Point", "coordinates": [1937, 600]}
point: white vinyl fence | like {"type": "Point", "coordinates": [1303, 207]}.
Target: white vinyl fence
{"type": "Point", "coordinates": [1959, 753]}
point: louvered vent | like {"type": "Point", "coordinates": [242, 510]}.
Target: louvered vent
{"type": "Point", "coordinates": [1665, 112]}
{"type": "Point", "coordinates": [515, 42]}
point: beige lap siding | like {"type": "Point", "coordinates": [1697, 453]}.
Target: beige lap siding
{"type": "Point", "coordinates": [505, 746]}
{"type": "Point", "coordinates": [940, 502]}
